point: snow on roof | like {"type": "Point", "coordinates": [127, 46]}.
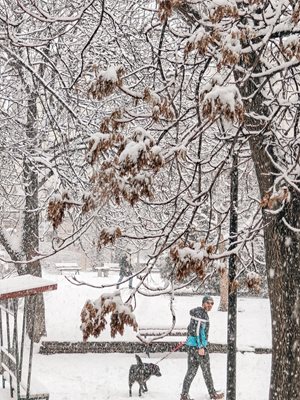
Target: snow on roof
{"type": "Point", "coordinates": [24, 285]}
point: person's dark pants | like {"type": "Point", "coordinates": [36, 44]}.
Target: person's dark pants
{"type": "Point", "coordinates": [194, 360]}
{"type": "Point", "coordinates": [120, 280]}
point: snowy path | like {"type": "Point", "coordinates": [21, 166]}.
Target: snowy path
{"type": "Point", "coordinates": [102, 377]}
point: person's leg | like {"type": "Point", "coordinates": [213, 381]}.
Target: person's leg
{"type": "Point", "coordinates": [193, 365]}
{"type": "Point", "coordinates": [120, 280]}
{"type": "Point", "coordinates": [130, 283]}
{"type": "Point", "coordinates": [205, 366]}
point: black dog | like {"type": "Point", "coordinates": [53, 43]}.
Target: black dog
{"type": "Point", "coordinates": [140, 373]}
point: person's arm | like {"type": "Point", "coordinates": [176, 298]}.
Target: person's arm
{"type": "Point", "coordinates": [200, 326]}
{"type": "Point", "coordinates": [202, 340]}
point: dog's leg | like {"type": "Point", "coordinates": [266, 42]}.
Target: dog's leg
{"type": "Point", "coordinates": [140, 390]}
{"type": "Point", "coordinates": [145, 387]}
{"type": "Point", "coordinates": [130, 391]}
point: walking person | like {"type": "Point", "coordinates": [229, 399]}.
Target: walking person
{"type": "Point", "coordinates": [125, 270]}
{"type": "Point", "coordinates": [198, 354]}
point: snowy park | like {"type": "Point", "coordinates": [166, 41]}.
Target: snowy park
{"type": "Point", "coordinates": [150, 199]}
{"type": "Point", "coordinates": [105, 376]}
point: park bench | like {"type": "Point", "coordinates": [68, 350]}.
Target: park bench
{"type": "Point", "coordinates": [106, 268]}
{"type": "Point", "coordinates": [112, 266]}
{"type": "Point", "coordinates": [68, 267]}
{"type": "Point", "coordinates": [102, 271]}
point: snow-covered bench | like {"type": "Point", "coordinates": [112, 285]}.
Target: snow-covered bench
{"type": "Point", "coordinates": [102, 271]}
{"type": "Point", "coordinates": [159, 331]}
{"type": "Point", "coordinates": [112, 266]}
{"type": "Point", "coordinates": [106, 268]}
{"type": "Point", "coordinates": [68, 267]}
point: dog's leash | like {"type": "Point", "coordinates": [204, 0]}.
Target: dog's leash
{"type": "Point", "coordinates": [179, 345]}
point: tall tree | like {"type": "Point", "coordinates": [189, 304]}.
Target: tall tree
{"type": "Point", "coordinates": [39, 130]}
{"type": "Point", "coordinates": [225, 70]}
{"type": "Point", "coordinates": [168, 95]}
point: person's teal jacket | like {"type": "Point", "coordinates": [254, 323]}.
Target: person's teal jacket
{"type": "Point", "coordinates": [198, 328]}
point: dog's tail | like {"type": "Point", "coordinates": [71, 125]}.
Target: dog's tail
{"type": "Point", "coordinates": [138, 360]}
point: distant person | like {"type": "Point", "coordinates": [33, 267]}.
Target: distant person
{"type": "Point", "coordinates": [125, 270]}
{"type": "Point", "coordinates": [198, 354]}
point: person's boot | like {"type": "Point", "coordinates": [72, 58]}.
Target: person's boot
{"type": "Point", "coordinates": [185, 396]}
{"type": "Point", "coordinates": [217, 395]}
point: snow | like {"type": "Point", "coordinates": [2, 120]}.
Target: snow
{"type": "Point", "coordinates": [186, 253]}
{"type": "Point", "coordinates": [223, 3]}
{"type": "Point", "coordinates": [197, 36]}
{"type": "Point", "coordinates": [132, 151]}
{"type": "Point", "coordinates": [228, 95]}
{"type": "Point", "coordinates": [111, 74]}
{"type": "Point", "coordinates": [254, 319]}
{"type": "Point", "coordinates": [105, 376]}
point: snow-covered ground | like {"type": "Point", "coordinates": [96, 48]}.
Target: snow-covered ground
{"type": "Point", "coordinates": [64, 305]}
{"type": "Point", "coordinates": [105, 376]}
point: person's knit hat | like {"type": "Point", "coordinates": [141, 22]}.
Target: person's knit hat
{"type": "Point", "coordinates": [206, 298]}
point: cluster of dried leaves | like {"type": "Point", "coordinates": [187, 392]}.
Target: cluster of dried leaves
{"type": "Point", "coordinates": [205, 42]}
{"type": "Point", "coordinates": [93, 314]}
{"type": "Point", "coordinates": [100, 143]}
{"type": "Point", "coordinates": [148, 158]}
{"type": "Point", "coordinates": [165, 8]}
{"type": "Point", "coordinates": [208, 40]}
{"type": "Point", "coordinates": [108, 237]}
{"type": "Point", "coordinates": [57, 208]}
{"type": "Point", "coordinates": [202, 41]}
{"type": "Point", "coordinates": [215, 106]}
{"type": "Point", "coordinates": [229, 57]}
{"type": "Point", "coordinates": [274, 200]}
{"type": "Point", "coordinates": [223, 11]}
{"type": "Point", "coordinates": [160, 106]}
{"type": "Point", "coordinates": [105, 83]}
{"type": "Point", "coordinates": [258, 2]}
{"type": "Point", "coordinates": [191, 258]}
{"type": "Point", "coordinates": [138, 188]}
{"type": "Point", "coordinates": [129, 174]}
{"type": "Point", "coordinates": [89, 202]}
{"type": "Point", "coordinates": [112, 123]}
{"type": "Point", "coordinates": [253, 281]}
{"type": "Point", "coordinates": [109, 185]}
{"type": "Point", "coordinates": [292, 49]}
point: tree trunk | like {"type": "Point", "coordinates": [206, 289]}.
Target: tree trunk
{"type": "Point", "coordinates": [282, 258]}
{"type": "Point", "coordinates": [31, 228]}
{"type": "Point", "coordinates": [282, 250]}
